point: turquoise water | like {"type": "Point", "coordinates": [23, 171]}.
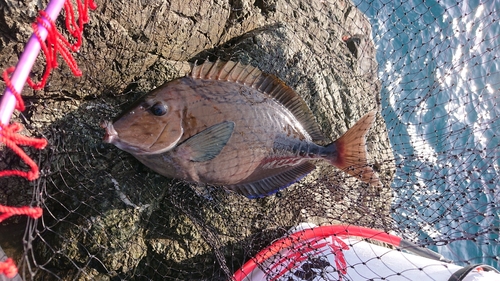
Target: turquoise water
{"type": "Point", "coordinates": [439, 66]}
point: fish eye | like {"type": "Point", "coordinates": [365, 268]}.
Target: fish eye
{"type": "Point", "coordinates": [158, 109]}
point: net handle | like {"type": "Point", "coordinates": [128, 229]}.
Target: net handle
{"type": "Point", "coordinates": [317, 232]}
{"type": "Point", "coordinates": [25, 63]}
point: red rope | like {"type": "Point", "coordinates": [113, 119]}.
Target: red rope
{"type": "Point", "coordinates": [8, 83]}
{"type": "Point", "coordinates": [12, 139]}
{"type": "Point", "coordinates": [6, 212]}
{"type": "Point", "coordinates": [55, 43]}
{"type": "Point", "coordinates": [8, 268]}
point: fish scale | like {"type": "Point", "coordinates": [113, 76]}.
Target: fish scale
{"type": "Point", "coordinates": [231, 125]}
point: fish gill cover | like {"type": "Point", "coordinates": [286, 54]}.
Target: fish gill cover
{"type": "Point", "coordinates": [429, 68]}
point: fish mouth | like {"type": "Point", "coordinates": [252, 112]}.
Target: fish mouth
{"type": "Point", "coordinates": [111, 136]}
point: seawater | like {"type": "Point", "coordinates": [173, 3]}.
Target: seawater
{"type": "Point", "coordinates": [439, 67]}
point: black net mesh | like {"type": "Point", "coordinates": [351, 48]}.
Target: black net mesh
{"type": "Point", "coordinates": [429, 68]}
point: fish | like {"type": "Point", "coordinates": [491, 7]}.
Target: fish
{"type": "Point", "coordinates": [231, 125]}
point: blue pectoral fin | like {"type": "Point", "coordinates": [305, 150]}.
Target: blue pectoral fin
{"type": "Point", "coordinates": [273, 183]}
{"type": "Point", "coordinates": [207, 144]}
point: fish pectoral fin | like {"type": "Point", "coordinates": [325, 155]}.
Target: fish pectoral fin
{"type": "Point", "coordinates": [273, 183]}
{"type": "Point", "coordinates": [207, 144]}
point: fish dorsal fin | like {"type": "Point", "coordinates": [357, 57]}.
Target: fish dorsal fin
{"type": "Point", "coordinates": [265, 83]}
{"type": "Point", "coordinates": [207, 144]}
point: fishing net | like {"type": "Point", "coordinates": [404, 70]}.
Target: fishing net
{"type": "Point", "coordinates": [430, 69]}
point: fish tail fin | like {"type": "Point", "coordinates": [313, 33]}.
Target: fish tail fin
{"type": "Point", "coordinates": [349, 154]}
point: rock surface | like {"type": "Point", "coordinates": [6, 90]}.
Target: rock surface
{"type": "Point", "coordinates": [109, 217]}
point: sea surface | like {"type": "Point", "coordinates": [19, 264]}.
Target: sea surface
{"type": "Point", "coordinates": [439, 64]}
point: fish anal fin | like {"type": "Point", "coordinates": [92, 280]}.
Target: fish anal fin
{"type": "Point", "coordinates": [276, 181]}
{"type": "Point", "coordinates": [207, 144]}
{"type": "Point", "coordinates": [265, 83]}
{"type": "Point", "coordinates": [351, 154]}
